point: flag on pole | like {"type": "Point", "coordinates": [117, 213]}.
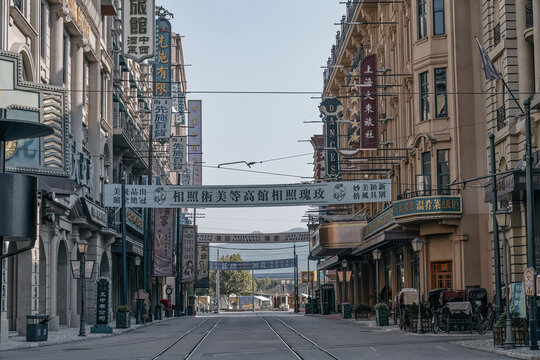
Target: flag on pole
{"type": "Point", "coordinates": [489, 69]}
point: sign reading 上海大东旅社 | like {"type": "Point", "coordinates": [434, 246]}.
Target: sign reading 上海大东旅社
{"type": "Point", "coordinates": [138, 17]}
{"type": "Point", "coordinates": [332, 111]}
{"type": "Point", "coordinates": [249, 265]}
{"type": "Point", "coordinates": [369, 115]}
{"type": "Point", "coordinates": [253, 238]}
{"type": "Point", "coordinates": [325, 193]}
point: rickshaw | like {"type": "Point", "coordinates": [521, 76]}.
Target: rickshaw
{"type": "Point", "coordinates": [406, 296]}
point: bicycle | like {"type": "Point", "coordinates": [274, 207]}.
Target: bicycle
{"type": "Point", "coordinates": [487, 322]}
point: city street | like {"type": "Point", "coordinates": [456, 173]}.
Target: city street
{"type": "Point", "coordinates": [249, 336]}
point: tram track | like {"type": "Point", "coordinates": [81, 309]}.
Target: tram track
{"type": "Point", "coordinates": [294, 350]}
{"type": "Point", "coordinates": [184, 335]}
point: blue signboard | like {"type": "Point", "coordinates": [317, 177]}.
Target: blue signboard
{"type": "Point", "coordinates": [162, 60]}
{"type": "Point", "coordinates": [332, 111]}
{"type": "Point", "coordinates": [249, 265]}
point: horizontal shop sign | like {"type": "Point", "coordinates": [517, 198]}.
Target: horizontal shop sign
{"type": "Point", "coordinates": [428, 205]}
{"type": "Point", "coordinates": [253, 238]}
{"type": "Point", "coordinates": [321, 194]}
{"type": "Point", "coordinates": [249, 265]}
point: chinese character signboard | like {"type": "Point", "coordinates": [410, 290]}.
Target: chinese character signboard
{"type": "Point", "coordinates": [318, 156]}
{"type": "Point", "coordinates": [194, 140]}
{"type": "Point", "coordinates": [163, 242]}
{"type": "Point", "coordinates": [138, 29]}
{"type": "Point", "coordinates": [162, 61]}
{"type": "Point", "coordinates": [179, 111]}
{"type": "Point", "coordinates": [161, 118]}
{"type": "Point", "coordinates": [103, 293]}
{"type": "Point", "coordinates": [254, 238]}
{"type": "Point", "coordinates": [368, 111]}
{"type": "Point", "coordinates": [331, 110]}
{"type": "Point", "coordinates": [202, 266]}
{"type": "Point", "coordinates": [318, 194]}
{"type": "Point", "coordinates": [186, 177]}
{"type": "Point", "coordinates": [427, 205]}
{"type": "Point", "coordinates": [248, 265]}
{"type": "Point", "coordinates": [177, 153]}
{"type": "Point", "coordinates": [189, 245]}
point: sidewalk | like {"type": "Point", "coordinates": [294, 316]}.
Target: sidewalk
{"type": "Point", "coordinates": [484, 344]}
{"type": "Point", "coordinates": [67, 335]}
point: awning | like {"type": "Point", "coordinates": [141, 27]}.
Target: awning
{"type": "Point", "coordinates": [385, 238]}
{"type": "Point", "coordinates": [334, 238]}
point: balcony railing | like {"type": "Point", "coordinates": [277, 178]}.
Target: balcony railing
{"type": "Point", "coordinates": [496, 34]}
{"type": "Point", "coordinates": [529, 14]}
{"type": "Point", "coordinates": [428, 192]}
{"type": "Point", "coordinates": [501, 117]}
{"type": "Point", "coordinates": [132, 135]}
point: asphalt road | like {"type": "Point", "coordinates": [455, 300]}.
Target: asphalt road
{"type": "Point", "coordinates": [266, 335]}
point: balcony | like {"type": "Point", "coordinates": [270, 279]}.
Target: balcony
{"type": "Point", "coordinates": [428, 192]}
{"type": "Point", "coordinates": [127, 135]}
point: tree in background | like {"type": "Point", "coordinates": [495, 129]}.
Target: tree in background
{"type": "Point", "coordinates": [236, 282]}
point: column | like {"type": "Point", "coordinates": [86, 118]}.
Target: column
{"type": "Point", "coordinates": [53, 264]}
{"type": "Point", "coordinates": [57, 46]}
{"type": "Point", "coordinates": [350, 288]}
{"type": "Point", "coordinates": [339, 290]}
{"type": "Point", "coordinates": [536, 27]}
{"type": "Point", "coordinates": [77, 101]}
{"type": "Point", "coordinates": [356, 283]}
{"type": "Point", "coordinates": [525, 55]}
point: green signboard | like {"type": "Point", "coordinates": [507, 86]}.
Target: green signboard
{"type": "Point", "coordinates": [428, 205]}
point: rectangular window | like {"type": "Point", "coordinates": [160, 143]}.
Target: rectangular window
{"type": "Point", "coordinates": [438, 17]}
{"type": "Point", "coordinates": [422, 19]}
{"type": "Point", "coordinates": [43, 29]}
{"type": "Point", "coordinates": [443, 172]}
{"type": "Point", "coordinates": [64, 60]}
{"type": "Point", "coordinates": [441, 274]}
{"type": "Point", "coordinates": [424, 96]}
{"type": "Point", "coordinates": [18, 4]}
{"type": "Point", "coordinates": [426, 171]}
{"type": "Point", "coordinates": [440, 93]}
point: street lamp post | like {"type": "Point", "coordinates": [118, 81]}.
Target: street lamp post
{"type": "Point", "coordinates": [377, 256]}
{"type": "Point", "coordinates": [137, 265]}
{"type": "Point", "coordinates": [417, 247]}
{"type": "Point", "coordinates": [82, 245]}
{"type": "Point", "coordinates": [503, 219]}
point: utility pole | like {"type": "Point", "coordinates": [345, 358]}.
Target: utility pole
{"type": "Point", "coordinates": [296, 307]}
{"type": "Point", "coordinates": [252, 289]}
{"type": "Point", "coordinates": [148, 238]}
{"type": "Point", "coordinates": [178, 267]}
{"type": "Point", "coordinates": [124, 254]}
{"type": "Point", "coordinates": [496, 251]}
{"type": "Point", "coordinates": [218, 295]}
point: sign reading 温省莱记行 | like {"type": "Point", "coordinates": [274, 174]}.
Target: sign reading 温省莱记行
{"type": "Point", "coordinates": [163, 242]}
{"type": "Point", "coordinates": [179, 111]}
{"type": "Point", "coordinates": [253, 238]}
{"type": "Point", "coordinates": [162, 60]}
{"type": "Point", "coordinates": [249, 265]}
{"type": "Point", "coordinates": [189, 247]}
{"type": "Point", "coordinates": [369, 115]}
{"type": "Point", "coordinates": [138, 17]}
{"type": "Point", "coordinates": [195, 140]}
{"type": "Point", "coordinates": [324, 193]}
{"type": "Point", "coordinates": [177, 150]}
{"type": "Point", "coordinates": [161, 118]}
{"type": "Point", "coordinates": [332, 111]}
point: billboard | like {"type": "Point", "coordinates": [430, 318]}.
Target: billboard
{"type": "Point", "coordinates": [189, 246]}
{"type": "Point", "coordinates": [138, 17]}
{"type": "Point", "coordinates": [195, 139]}
{"type": "Point", "coordinates": [163, 242]}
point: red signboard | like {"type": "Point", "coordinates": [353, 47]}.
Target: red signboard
{"type": "Point", "coordinates": [369, 115]}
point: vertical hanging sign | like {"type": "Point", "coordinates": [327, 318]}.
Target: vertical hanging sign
{"type": "Point", "coordinates": [194, 140]}
{"type": "Point", "coordinates": [179, 111]}
{"type": "Point", "coordinates": [369, 115]}
{"type": "Point", "coordinates": [163, 242]}
{"type": "Point", "coordinates": [202, 266]}
{"type": "Point", "coordinates": [161, 118]}
{"type": "Point", "coordinates": [162, 60]}
{"type": "Point", "coordinates": [332, 111]}
{"type": "Point", "coordinates": [177, 150]}
{"type": "Point", "coordinates": [138, 17]}
{"type": "Point", "coordinates": [189, 245]}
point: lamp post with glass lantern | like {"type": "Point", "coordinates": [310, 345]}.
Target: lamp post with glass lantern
{"type": "Point", "coordinates": [82, 245]}
{"type": "Point", "coordinates": [377, 256]}
{"type": "Point", "coordinates": [417, 247]}
{"type": "Point", "coordinates": [137, 264]}
{"type": "Point", "coordinates": [503, 219]}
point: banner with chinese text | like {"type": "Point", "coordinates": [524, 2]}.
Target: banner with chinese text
{"type": "Point", "coordinates": [254, 238]}
{"type": "Point", "coordinates": [162, 60]}
{"type": "Point", "coordinates": [161, 118]}
{"type": "Point", "coordinates": [177, 151]}
{"type": "Point", "coordinates": [195, 140]}
{"type": "Point", "coordinates": [138, 17]}
{"type": "Point", "coordinates": [202, 266]}
{"type": "Point", "coordinates": [179, 110]}
{"type": "Point", "coordinates": [369, 115]}
{"type": "Point", "coordinates": [189, 246]}
{"type": "Point", "coordinates": [319, 194]}
{"type": "Point", "coordinates": [163, 242]}
{"type": "Point", "coordinates": [248, 265]}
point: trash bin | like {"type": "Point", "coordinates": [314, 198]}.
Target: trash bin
{"type": "Point", "coordinates": [37, 327]}
{"type": "Point", "coordinates": [347, 310]}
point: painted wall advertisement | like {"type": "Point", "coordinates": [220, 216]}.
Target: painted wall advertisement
{"type": "Point", "coordinates": [189, 246]}
{"type": "Point", "coordinates": [202, 265]}
{"type": "Point", "coordinates": [195, 140]}
{"type": "Point", "coordinates": [139, 29]}
{"type": "Point", "coordinates": [163, 242]}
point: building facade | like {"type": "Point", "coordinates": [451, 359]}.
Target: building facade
{"type": "Point", "coordinates": [429, 99]}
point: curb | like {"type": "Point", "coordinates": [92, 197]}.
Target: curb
{"type": "Point", "coordinates": [500, 352]}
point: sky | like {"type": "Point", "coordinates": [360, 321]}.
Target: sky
{"type": "Point", "coordinates": [254, 46]}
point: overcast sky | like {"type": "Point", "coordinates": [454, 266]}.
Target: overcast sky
{"type": "Point", "coordinates": [255, 45]}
